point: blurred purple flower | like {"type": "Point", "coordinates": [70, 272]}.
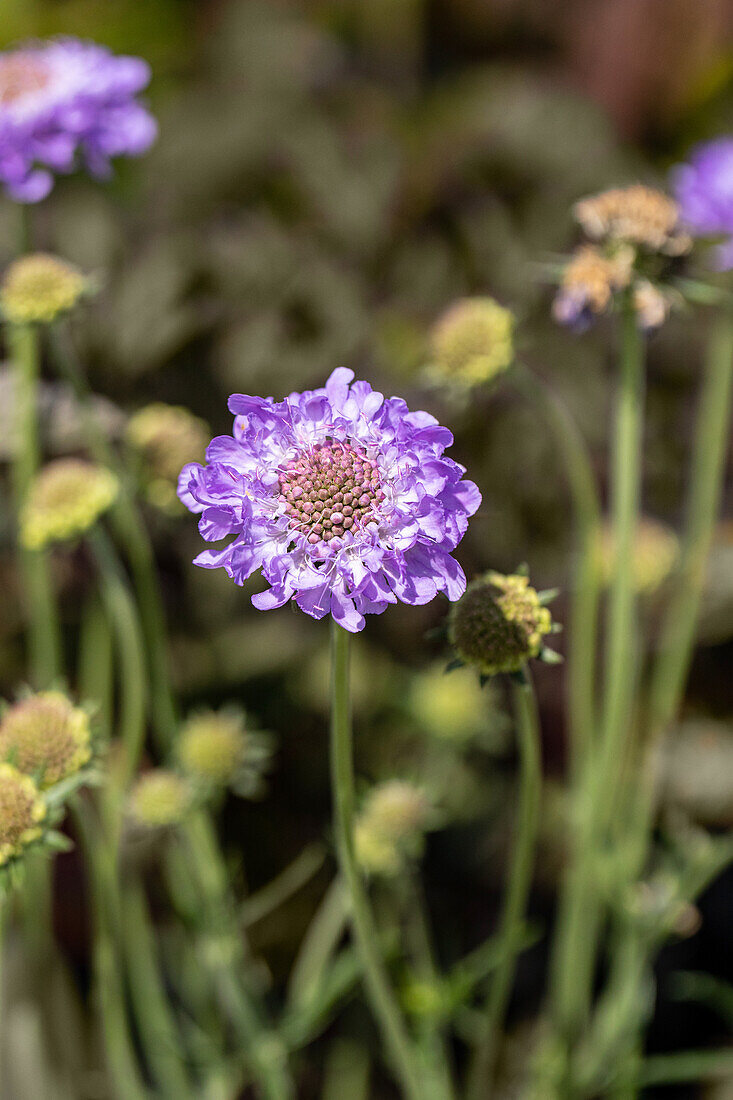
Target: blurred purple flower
{"type": "Point", "coordinates": [704, 190]}
{"type": "Point", "coordinates": [342, 498]}
{"type": "Point", "coordinates": [66, 101]}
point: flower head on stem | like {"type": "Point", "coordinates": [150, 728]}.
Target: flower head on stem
{"type": "Point", "coordinates": [45, 736]}
{"type": "Point", "coordinates": [66, 499]}
{"type": "Point", "coordinates": [38, 288]}
{"type": "Point", "coordinates": [342, 498]}
{"type": "Point", "coordinates": [66, 103]}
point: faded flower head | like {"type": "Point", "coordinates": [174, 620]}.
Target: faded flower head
{"type": "Point", "coordinates": [21, 812]}
{"type": "Point", "coordinates": [160, 798]}
{"type": "Point", "coordinates": [38, 288]}
{"type": "Point", "coordinates": [472, 342]}
{"type": "Point", "coordinates": [166, 437]}
{"type": "Point", "coordinates": [342, 498]}
{"type": "Point", "coordinates": [66, 499]}
{"type": "Point", "coordinates": [499, 624]}
{"type": "Point", "coordinates": [46, 736]}
{"type": "Point", "coordinates": [636, 215]}
{"type": "Point", "coordinates": [66, 104]}
{"type": "Point", "coordinates": [391, 826]}
{"type": "Point", "coordinates": [589, 283]}
{"type": "Point", "coordinates": [636, 232]}
{"type": "Point", "coordinates": [655, 553]}
{"type": "Point", "coordinates": [215, 747]}
{"type": "Point", "coordinates": [703, 188]}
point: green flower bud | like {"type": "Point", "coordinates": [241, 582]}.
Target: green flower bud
{"type": "Point", "coordinates": [21, 812]}
{"type": "Point", "coordinates": [46, 737]}
{"type": "Point", "coordinates": [472, 342]}
{"type": "Point", "coordinates": [38, 288]}
{"type": "Point", "coordinates": [499, 624]}
{"type": "Point", "coordinates": [160, 798]}
{"type": "Point", "coordinates": [391, 826]}
{"type": "Point", "coordinates": [166, 437]}
{"type": "Point", "coordinates": [66, 499]}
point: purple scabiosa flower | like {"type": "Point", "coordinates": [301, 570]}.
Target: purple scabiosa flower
{"type": "Point", "coordinates": [342, 498]}
{"type": "Point", "coordinates": [703, 188]}
{"type": "Point", "coordinates": [66, 101]}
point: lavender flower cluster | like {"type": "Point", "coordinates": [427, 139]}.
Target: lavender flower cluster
{"type": "Point", "coordinates": [63, 102]}
{"type": "Point", "coordinates": [342, 497]}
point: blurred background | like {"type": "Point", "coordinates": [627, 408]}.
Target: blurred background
{"type": "Point", "coordinates": [330, 176]}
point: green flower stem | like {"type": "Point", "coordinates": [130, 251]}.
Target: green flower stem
{"type": "Point", "coordinates": [512, 930]}
{"type": "Point", "coordinates": [95, 677]}
{"type": "Point", "coordinates": [119, 1046]}
{"type": "Point", "coordinates": [43, 625]}
{"type": "Point", "coordinates": [690, 1065]}
{"type": "Point", "coordinates": [705, 490]}
{"type": "Point", "coordinates": [157, 1028]}
{"type": "Point", "coordinates": [431, 1028]}
{"type": "Point", "coordinates": [583, 626]}
{"type": "Point", "coordinates": [265, 1053]}
{"type": "Point", "coordinates": [580, 916]}
{"type": "Point", "coordinates": [122, 613]}
{"type": "Point", "coordinates": [132, 533]}
{"type": "Point", "coordinates": [397, 1041]}
{"type": "Point", "coordinates": [626, 491]}
{"type": "Point", "coordinates": [318, 946]}
{"type": "Point", "coordinates": [572, 927]}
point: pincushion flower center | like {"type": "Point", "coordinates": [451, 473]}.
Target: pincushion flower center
{"type": "Point", "coordinates": [329, 489]}
{"type": "Point", "coordinates": [21, 74]}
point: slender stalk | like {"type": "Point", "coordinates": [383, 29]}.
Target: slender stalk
{"type": "Point", "coordinates": [394, 1032]}
{"type": "Point", "coordinates": [318, 946]}
{"type": "Point", "coordinates": [132, 533]}
{"type": "Point", "coordinates": [265, 1053]}
{"type": "Point", "coordinates": [626, 492]}
{"type": "Point", "coordinates": [583, 625]}
{"type": "Point", "coordinates": [431, 1030]}
{"type": "Point", "coordinates": [95, 677]}
{"type": "Point", "coordinates": [511, 930]}
{"type": "Point", "coordinates": [109, 985]}
{"type": "Point", "coordinates": [43, 625]}
{"type": "Point", "coordinates": [705, 490]}
{"type": "Point", "coordinates": [157, 1026]}
{"type": "Point", "coordinates": [579, 917]}
{"type": "Point", "coordinates": [133, 679]}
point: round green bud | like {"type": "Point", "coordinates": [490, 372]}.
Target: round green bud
{"type": "Point", "coordinates": [166, 437]}
{"type": "Point", "coordinates": [498, 624]}
{"type": "Point", "coordinates": [46, 736]}
{"type": "Point", "coordinates": [212, 745]}
{"type": "Point", "coordinates": [160, 798]}
{"type": "Point", "coordinates": [66, 499]}
{"type": "Point", "coordinates": [21, 812]}
{"type": "Point", "coordinates": [38, 288]}
{"type": "Point", "coordinates": [472, 342]}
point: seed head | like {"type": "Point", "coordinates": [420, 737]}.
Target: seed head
{"type": "Point", "coordinates": [166, 437]}
{"type": "Point", "coordinates": [38, 288]}
{"type": "Point", "coordinates": [589, 282]}
{"type": "Point", "coordinates": [66, 499]}
{"type": "Point", "coordinates": [21, 812]}
{"type": "Point", "coordinates": [391, 827]}
{"type": "Point", "coordinates": [46, 737]}
{"type": "Point", "coordinates": [160, 798]}
{"type": "Point", "coordinates": [638, 215]}
{"type": "Point", "coordinates": [472, 342]}
{"type": "Point", "coordinates": [499, 624]}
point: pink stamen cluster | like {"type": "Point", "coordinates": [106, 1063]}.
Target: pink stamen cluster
{"type": "Point", "coordinates": [20, 73]}
{"type": "Point", "coordinates": [329, 489]}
